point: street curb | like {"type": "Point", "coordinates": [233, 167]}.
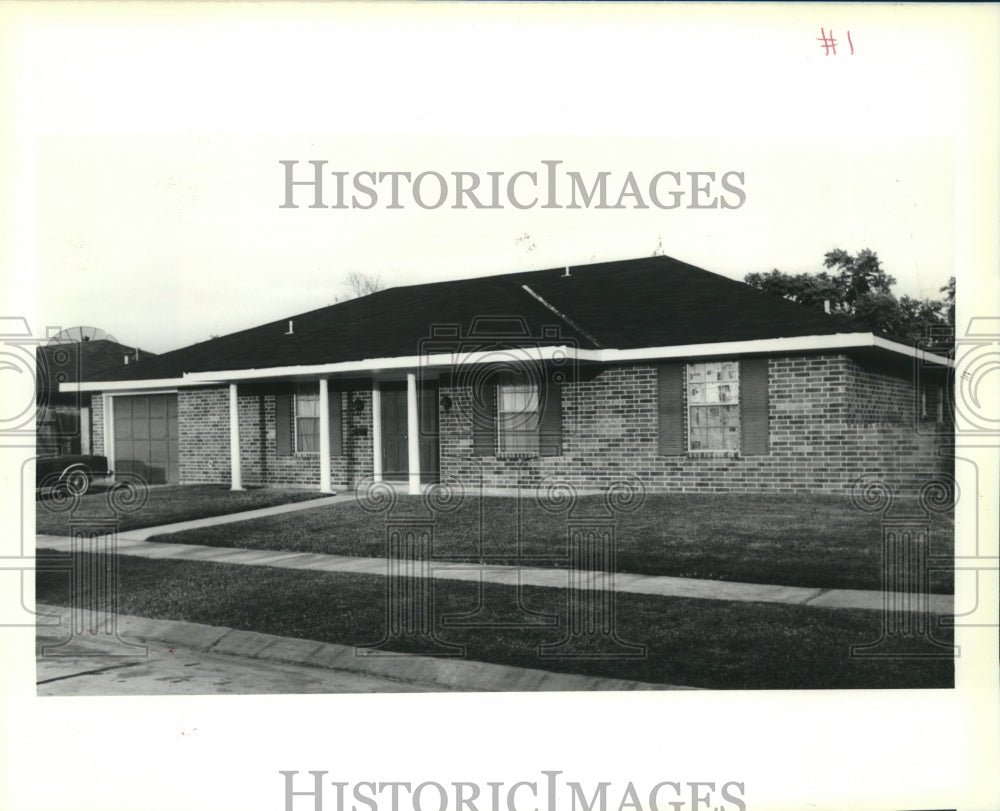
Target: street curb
{"type": "Point", "coordinates": [453, 674]}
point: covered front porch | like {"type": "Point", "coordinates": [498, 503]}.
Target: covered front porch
{"type": "Point", "coordinates": [320, 419]}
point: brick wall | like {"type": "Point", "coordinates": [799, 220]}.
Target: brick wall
{"type": "Point", "coordinates": [97, 425]}
{"type": "Point", "coordinates": [203, 435]}
{"type": "Point", "coordinates": [831, 419]}
{"type": "Point", "coordinates": [203, 426]}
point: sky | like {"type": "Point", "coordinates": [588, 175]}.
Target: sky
{"type": "Point", "coordinates": [165, 240]}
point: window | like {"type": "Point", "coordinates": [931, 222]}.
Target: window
{"type": "Point", "coordinates": [307, 418]}
{"type": "Point", "coordinates": [932, 402]}
{"type": "Point", "coordinates": [713, 400]}
{"type": "Point", "coordinates": [517, 415]}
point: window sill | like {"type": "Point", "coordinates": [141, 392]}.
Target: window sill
{"type": "Point", "coordinates": [714, 454]}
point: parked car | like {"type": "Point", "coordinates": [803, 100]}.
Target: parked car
{"type": "Point", "coordinates": [73, 472]}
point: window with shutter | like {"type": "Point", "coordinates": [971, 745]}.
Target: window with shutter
{"type": "Point", "coordinates": [513, 418]}
{"type": "Point", "coordinates": [723, 403]}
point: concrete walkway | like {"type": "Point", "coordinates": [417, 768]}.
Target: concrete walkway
{"type": "Point", "coordinates": [133, 543]}
{"type": "Point", "coordinates": [232, 518]}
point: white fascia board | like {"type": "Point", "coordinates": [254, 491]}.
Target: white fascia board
{"type": "Point", "coordinates": [122, 386]}
{"type": "Point", "coordinates": [912, 352]}
{"type": "Point", "coordinates": [846, 340]}
{"type": "Point", "coordinates": [849, 340]}
{"type": "Point", "coordinates": [812, 343]}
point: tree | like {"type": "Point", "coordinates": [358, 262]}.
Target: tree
{"type": "Point", "coordinates": [362, 284]}
{"type": "Point", "coordinates": [859, 275]}
{"type": "Point", "coordinates": [860, 289]}
{"type": "Point", "coordinates": [949, 301]}
{"type": "Point", "coordinates": [812, 290]}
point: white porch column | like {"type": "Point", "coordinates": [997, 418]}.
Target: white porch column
{"type": "Point", "coordinates": [413, 433]}
{"type": "Point", "coordinates": [109, 430]}
{"type": "Point", "coordinates": [84, 427]}
{"type": "Point", "coordinates": [324, 436]}
{"type": "Point", "coordinates": [234, 439]}
{"type": "Point", "coordinates": [376, 432]}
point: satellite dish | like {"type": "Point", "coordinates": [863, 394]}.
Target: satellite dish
{"type": "Point", "coordinates": [77, 335]}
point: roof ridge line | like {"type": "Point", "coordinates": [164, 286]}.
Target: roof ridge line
{"type": "Point", "coordinates": [564, 317]}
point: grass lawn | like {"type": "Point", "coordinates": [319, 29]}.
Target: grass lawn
{"type": "Point", "coordinates": [701, 643]}
{"type": "Point", "coordinates": [821, 541]}
{"type": "Point", "coordinates": [166, 504]}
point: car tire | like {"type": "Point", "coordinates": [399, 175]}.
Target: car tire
{"type": "Point", "coordinates": [77, 482]}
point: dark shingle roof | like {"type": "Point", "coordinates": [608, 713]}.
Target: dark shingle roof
{"type": "Point", "coordinates": [84, 360]}
{"type": "Point", "coordinates": [655, 301]}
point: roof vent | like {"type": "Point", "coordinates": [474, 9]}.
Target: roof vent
{"type": "Point", "coordinates": [291, 327]}
{"type": "Point", "coordinates": [566, 272]}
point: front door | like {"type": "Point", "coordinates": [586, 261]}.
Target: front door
{"type": "Point", "coordinates": [395, 454]}
{"type": "Point", "coordinates": [395, 438]}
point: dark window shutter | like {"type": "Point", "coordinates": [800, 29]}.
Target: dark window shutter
{"type": "Point", "coordinates": [336, 423]}
{"type": "Point", "coordinates": [753, 406]}
{"type": "Point", "coordinates": [670, 404]}
{"type": "Point", "coordinates": [283, 424]}
{"type": "Point", "coordinates": [484, 420]}
{"type": "Point", "coordinates": [550, 421]}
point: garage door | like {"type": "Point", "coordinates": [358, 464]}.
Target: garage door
{"type": "Point", "coordinates": [146, 437]}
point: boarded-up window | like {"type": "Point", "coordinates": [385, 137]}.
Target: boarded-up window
{"type": "Point", "coordinates": [713, 397]}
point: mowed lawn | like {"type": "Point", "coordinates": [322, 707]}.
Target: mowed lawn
{"type": "Point", "coordinates": [698, 643]}
{"type": "Point", "coordinates": [163, 504]}
{"type": "Point", "coordinates": [821, 541]}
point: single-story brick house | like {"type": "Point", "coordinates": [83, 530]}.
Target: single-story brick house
{"type": "Point", "coordinates": [648, 368]}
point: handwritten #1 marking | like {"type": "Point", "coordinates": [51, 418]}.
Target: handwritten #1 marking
{"type": "Point", "coordinates": [829, 43]}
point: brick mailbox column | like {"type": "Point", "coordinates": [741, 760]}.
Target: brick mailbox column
{"type": "Point", "coordinates": [907, 621]}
